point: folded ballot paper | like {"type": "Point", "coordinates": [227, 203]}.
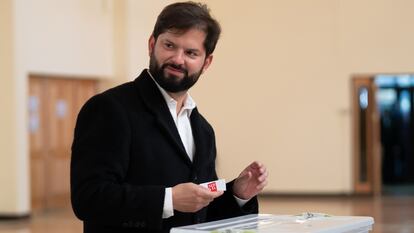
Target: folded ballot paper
{"type": "Point", "coordinates": [214, 186]}
{"type": "Point", "coordinates": [267, 223]}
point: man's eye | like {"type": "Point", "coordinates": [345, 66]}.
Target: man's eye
{"type": "Point", "coordinates": [192, 54]}
{"type": "Point", "coordinates": [168, 45]}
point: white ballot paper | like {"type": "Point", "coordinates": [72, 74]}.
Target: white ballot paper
{"type": "Point", "coordinates": [267, 223]}
{"type": "Point", "coordinates": [214, 186]}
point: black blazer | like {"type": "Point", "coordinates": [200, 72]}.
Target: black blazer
{"type": "Point", "coordinates": [127, 150]}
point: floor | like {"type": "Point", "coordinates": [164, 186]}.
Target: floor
{"type": "Point", "coordinates": [392, 214]}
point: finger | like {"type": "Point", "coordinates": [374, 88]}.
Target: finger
{"type": "Point", "coordinates": [244, 172]}
{"type": "Point", "coordinates": [212, 196]}
{"type": "Point", "coordinates": [203, 192]}
{"type": "Point", "coordinates": [217, 194]}
{"type": "Point", "coordinates": [253, 165]}
{"type": "Point", "coordinates": [207, 194]}
{"type": "Point", "coordinates": [262, 170]}
{"type": "Point", "coordinates": [206, 200]}
{"type": "Point", "coordinates": [261, 186]}
{"type": "Point", "coordinates": [202, 203]}
{"type": "Point", "coordinates": [263, 177]}
{"type": "Point", "coordinates": [256, 165]}
{"type": "Point", "coordinates": [203, 188]}
{"type": "Point", "coordinates": [259, 171]}
{"type": "Point", "coordinates": [246, 176]}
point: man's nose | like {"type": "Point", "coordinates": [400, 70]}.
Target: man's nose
{"type": "Point", "coordinates": [178, 57]}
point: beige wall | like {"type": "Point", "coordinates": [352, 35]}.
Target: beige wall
{"type": "Point", "coordinates": [277, 94]}
{"type": "Point", "coordinates": [277, 91]}
{"type": "Point", "coordinates": [269, 93]}
{"type": "Point", "coordinates": [141, 17]}
{"type": "Point", "coordinates": [71, 38]}
{"type": "Point", "coordinates": [283, 83]}
{"type": "Point", "coordinates": [9, 181]}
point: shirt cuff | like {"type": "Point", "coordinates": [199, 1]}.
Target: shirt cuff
{"type": "Point", "coordinates": [168, 210]}
{"type": "Point", "coordinates": [241, 202]}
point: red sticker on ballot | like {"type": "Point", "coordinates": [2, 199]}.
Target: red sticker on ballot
{"type": "Point", "coordinates": [212, 186]}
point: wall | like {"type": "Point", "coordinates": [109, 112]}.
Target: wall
{"type": "Point", "coordinates": [70, 38]}
{"type": "Point", "coordinates": [278, 90]}
{"type": "Point", "coordinates": [296, 101]}
{"type": "Point", "coordinates": [269, 90]}
{"type": "Point", "coordinates": [141, 17]}
{"type": "Point", "coordinates": [9, 175]}
{"type": "Point", "coordinates": [376, 36]}
{"type": "Point", "coordinates": [277, 96]}
{"type": "Point", "coordinates": [281, 84]}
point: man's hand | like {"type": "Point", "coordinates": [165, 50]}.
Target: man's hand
{"type": "Point", "coordinates": [189, 197]}
{"type": "Point", "coordinates": [251, 181]}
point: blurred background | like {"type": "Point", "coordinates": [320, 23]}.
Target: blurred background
{"type": "Point", "coordinates": [320, 91]}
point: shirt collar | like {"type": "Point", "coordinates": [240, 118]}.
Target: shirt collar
{"type": "Point", "coordinates": [189, 103]}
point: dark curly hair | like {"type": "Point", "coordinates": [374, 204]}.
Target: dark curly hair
{"type": "Point", "coordinates": [183, 16]}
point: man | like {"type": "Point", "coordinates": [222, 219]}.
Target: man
{"type": "Point", "coordinates": [141, 149]}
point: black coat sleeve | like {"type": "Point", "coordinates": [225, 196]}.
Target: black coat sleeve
{"type": "Point", "coordinates": [99, 165]}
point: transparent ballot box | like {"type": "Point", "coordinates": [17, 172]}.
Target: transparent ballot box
{"type": "Point", "coordinates": [266, 223]}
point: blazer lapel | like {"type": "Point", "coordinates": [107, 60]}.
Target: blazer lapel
{"type": "Point", "coordinates": [199, 141]}
{"type": "Point", "coordinates": [155, 102]}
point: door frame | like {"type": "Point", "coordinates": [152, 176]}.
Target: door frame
{"type": "Point", "coordinates": [373, 183]}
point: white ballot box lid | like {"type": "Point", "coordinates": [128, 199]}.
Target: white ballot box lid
{"type": "Point", "coordinates": [267, 223]}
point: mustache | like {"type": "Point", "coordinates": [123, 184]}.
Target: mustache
{"type": "Point", "coordinates": [177, 67]}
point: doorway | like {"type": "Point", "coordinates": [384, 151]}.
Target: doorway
{"type": "Point", "coordinates": [395, 101]}
{"type": "Point", "coordinates": [53, 105]}
{"type": "Point", "coordinates": [383, 134]}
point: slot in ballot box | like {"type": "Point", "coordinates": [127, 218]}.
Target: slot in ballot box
{"type": "Point", "coordinates": [267, 223]}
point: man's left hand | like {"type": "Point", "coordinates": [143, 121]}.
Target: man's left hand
{"type": "Point", "coordinates": [251, 181]}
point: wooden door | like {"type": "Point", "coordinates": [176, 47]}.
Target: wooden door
{"type": "Point", "coordinates": [53, 107]}
{"type": "Point", "coordinates": [366, 136]}
{"type": "Point", "coordinates": [37, 137]}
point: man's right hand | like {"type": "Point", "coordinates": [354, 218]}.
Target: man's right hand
{"type": "Point", "coordinates": [190, 197]}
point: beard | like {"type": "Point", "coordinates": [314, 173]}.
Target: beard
{"type": "Point", "coordinates": [169, 82]}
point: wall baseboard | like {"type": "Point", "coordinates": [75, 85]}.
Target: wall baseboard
{"type": "Point", "coordinates": [316, 195]}
{"type": "Point", "coordinates": [14, 216]}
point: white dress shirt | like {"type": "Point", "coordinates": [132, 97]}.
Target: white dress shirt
{"type": "Point", "coordinates": [183, 124]}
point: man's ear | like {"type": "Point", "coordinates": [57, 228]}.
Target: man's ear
{"type": "Point", "coordinates": [207, 62]}
{"type": "Point", "coordinates": [151, 45]}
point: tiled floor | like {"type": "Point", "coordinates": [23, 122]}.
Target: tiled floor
{"type": "Point", "coordinates": [393, 214]}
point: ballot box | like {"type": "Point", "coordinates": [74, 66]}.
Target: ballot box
{"type": "Point", "coordinates": [267, 223]}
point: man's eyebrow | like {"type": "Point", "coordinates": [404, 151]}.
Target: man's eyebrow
{"type": "Point", "coordinates": [168, 41]}
{"type": "Point", "coordinates": [193, 50]}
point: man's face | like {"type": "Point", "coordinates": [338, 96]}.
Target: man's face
{"type": "Point", "coordinates": [178, 59]}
